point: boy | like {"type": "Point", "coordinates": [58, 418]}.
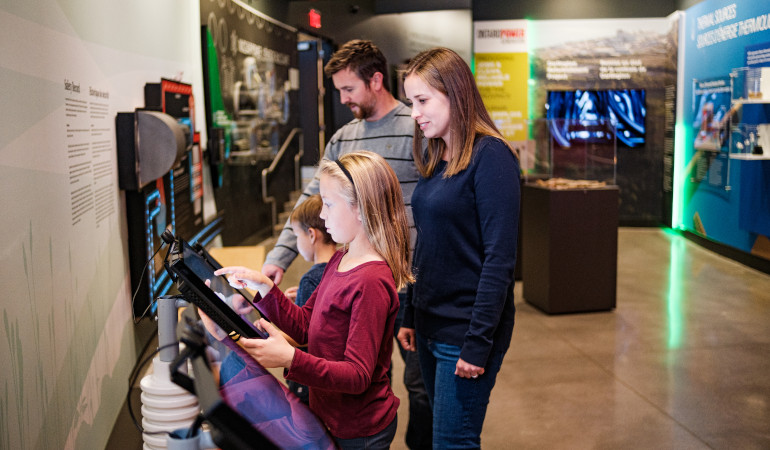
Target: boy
{"type": "Point", "coordinates": [314, 244]}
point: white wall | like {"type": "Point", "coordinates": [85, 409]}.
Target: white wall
{"type": "Point", "coordinates": [68, 341]}
{"type": "Point", "coordinates": [399, 36]}
{"type": "Point", "coordinates": [402, 36]}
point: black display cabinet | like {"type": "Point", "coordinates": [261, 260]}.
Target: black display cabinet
{"type": "Point", "coordinates": [570, 239]}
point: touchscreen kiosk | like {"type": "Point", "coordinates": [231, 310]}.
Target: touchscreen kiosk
{"type": "Point", "coordinates": [251, 411]}
{"type": "Point", "coordinates": [190, 270]}
{"type": "Point", "coordinates": [229, 430]}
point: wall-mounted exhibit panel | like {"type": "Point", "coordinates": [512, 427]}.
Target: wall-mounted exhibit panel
{"type": "Point", "coordinates": [251, 97]}
{"type": "Point", "coordinates": [722, 177]}
{"type": "Point", "coordinates": [68, 68]}
{"type": "Point", "coordinates": [619, 71]}
{"type": "Point", "coordinates": [160, 165]}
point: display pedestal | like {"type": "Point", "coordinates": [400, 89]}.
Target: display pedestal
{"type": "Point", "coordinates": [570, 237]}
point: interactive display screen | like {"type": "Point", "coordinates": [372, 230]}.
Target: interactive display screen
{"type": "Point", "coordinates": [624, 108]}
{"type": "Point", "coordinates": [191, 270]}
{"type": "Point", "coordinates": [251, 409]}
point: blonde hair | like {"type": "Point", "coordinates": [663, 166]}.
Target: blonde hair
{"type": "Point", "coordinates": [374, 188]}
{"type": "Point", "coordinates": [444, 70]}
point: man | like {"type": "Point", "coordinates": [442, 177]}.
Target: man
{"type": "Point", "coordinates": [383, 125]}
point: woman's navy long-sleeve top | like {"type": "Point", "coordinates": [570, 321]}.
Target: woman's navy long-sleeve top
{"type": "Point", "coordinates": [467, 230]}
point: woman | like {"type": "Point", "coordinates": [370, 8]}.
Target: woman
{"type": "Point", "coordinates": [466, 210]}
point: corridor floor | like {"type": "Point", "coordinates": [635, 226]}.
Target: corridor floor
{"type": "Point", "coordinates": [683, 362]}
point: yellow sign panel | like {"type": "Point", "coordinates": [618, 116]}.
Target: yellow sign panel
{"type": "Point", "coordinates": [502, 80]}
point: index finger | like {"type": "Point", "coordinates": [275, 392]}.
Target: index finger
{"type": "Point", "coordinates": [229, 270]}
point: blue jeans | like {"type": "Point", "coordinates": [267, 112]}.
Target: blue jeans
{"type": "Point", "coordinates": [379, 441]}
{"type": "Point", "coordinates": [419, 428]}
{"type": "Point", "coordinates": [232, 364]}
{"type": "Point", "coordinates": [459, 404]}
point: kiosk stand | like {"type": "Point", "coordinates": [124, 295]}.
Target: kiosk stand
{"type": "Point", "coordinates": [165, 406]}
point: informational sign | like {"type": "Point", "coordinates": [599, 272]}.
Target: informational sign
{"type": "Point", "coordinates": [720, 190]}
{"type": "Point", "coordinates": [68, 340]}
{"type": "Point", "coordinates": [711, 103]}
{"type": "Point", "coordinates": [89, 139]}
{"type": "Point", "coordinates": [502, 71]}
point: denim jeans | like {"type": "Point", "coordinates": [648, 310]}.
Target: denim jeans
{"type": "Point", "coordinates": [379, 441]}
{"type": "Point", "coordinates": [459, 404]}
{"type": "Point", "coordinates": [231, 365]}
{"type": "Point", "coordinates": [419, 428]}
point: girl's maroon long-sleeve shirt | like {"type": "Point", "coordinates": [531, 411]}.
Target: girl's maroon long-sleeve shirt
{"type": "Point", "coordinates": [348, 326]}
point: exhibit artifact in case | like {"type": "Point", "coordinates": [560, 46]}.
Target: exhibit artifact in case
{"type": "Point", "coordinates": [574, 149]}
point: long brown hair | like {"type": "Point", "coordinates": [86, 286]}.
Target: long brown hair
{"type": "Point", "coordinates": [377, 193]}
{"type": "Point", "coordinates": [445, 71]}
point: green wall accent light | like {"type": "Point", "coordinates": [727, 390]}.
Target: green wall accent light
{"type": "Point", "coordinates": [531, 80]}
{"type": "Point", "coordinates": [677, 207]}
{"type": "Point", "coordinates": [675, 295]}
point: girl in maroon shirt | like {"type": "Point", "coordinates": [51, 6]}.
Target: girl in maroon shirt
{"type": "Point", "coordinates": [347, 322]}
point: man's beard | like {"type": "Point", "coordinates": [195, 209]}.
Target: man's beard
{"type": "Point", "coordinates": [364, 111]}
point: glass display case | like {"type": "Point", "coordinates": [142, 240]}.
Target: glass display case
{"type": "Point", "coordinates": [751, 84]}
{"type": "Point", "coordinates": [260, 107]}
{"type": "Point", "coordinates": [749, 114]}
{"type": "Point", "coordinates": [573, 149]}
{"type": "Point", "coordinates": [569, 216]}
{"type": "Point", "coordinates": [750, 141]}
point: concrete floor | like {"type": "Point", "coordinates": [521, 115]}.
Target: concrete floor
{"type": "Point", "coordinates": [682, 362]}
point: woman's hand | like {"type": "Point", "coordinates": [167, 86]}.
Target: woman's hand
{"type": "Point", "coordinates": [467, 370]}
{"type": "Point", "coordinates": [407, 338]}
{"type": "Point", "coordinates": [272, 352]}
{"type": "Point", "coordinates": [243, 277]}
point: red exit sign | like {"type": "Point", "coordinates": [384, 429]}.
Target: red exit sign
{"type": "Point", "coordinates": [314, 18]}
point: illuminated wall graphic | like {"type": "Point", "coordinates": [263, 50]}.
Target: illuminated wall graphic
{"type": "Point", "coordinates": [619, 70]}
{"type": "Point", "coordinates": [724, 195]}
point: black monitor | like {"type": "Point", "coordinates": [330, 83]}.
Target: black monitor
{"type": "Point", "coordinates": [626, 109]}
{"type": "Point", "coordinates": [190, 269]}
